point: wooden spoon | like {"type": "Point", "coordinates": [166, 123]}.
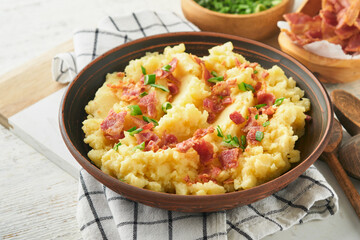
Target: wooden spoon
{"type": "Point", "coordinates": [349, 156]}
{"type": "Point", "coordinates": [329, 155]}
{"type": "Point", "coordinates": [347, 110]}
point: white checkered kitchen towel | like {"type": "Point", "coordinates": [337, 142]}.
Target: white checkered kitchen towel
{"type": "Point", "coordinates": [103, 214]}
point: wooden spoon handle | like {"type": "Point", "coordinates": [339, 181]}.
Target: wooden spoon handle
{"type": "Point", "coordinates": [344, 181]}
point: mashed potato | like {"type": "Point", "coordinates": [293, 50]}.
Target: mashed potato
{"type": "Point", "coordinates": [176, 123]}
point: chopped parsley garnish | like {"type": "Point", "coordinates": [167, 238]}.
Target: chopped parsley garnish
{"type": "Point", "coordinates": [166, 68]}
{"type": "Point", "coordinates": [143, 70]}
{"type": "Point", "coordinates": [256, 116]}
{"type": "Point", "coordinates": [265, 124]}
{"type": "Point", "coordinates": [245, 87]}
{"type": "Point", "coordinates": [141, 146]}
{"type": "Point", "coordinates": [259, 136]}
{"type": "Point", "coordinates": [260, 105]}
{"type": "Point", "coordinates": [143, 94]}
{"type": "Point", "coordinates": [132, 133]}
{"type": "Point", "coordinates": [150, 120]}
{"type": "Point", "coordinates": [117, 146]}
{"type": "Point", "coordinates": [279, 101]}
{"type": "Point", "coordinates": [219, 131]}
{"type": "Point", "coordinates": [134, 110]}
{"type": "Point", "coordinates": [214, 73]}
{"type": "Point", "coordinates": [166, 106]}
{"type": "Point", "coordinates": [160, 87]}
{"type": "Point", "coordinates": [149, 79]}
{"type": "Point", "coordinates": [216, 79]}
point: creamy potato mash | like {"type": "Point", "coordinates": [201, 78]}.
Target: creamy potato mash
{"type": "Point", "coordinates": [177, 123]}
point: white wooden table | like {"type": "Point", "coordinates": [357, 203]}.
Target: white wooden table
{"type": "Point", "coordinates": [38, 199]}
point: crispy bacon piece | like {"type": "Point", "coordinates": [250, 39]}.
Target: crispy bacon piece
{"type": "Point", "coordinates": [148, 104]}
{"type": "Point", "coordinates": [165, 74]}
{"type": "Point", "coordinates": [264, 97]}
{"type": "Point", "coordinates": [229, 158]}
{"type": "Point", "coordinates": [146, 136]}
{"type": "Point", "coordinates": [113, 125]}
{"type": "Point", "coordinates": [251, 135]}
{"type": "Point", "coordinates": [168, 141]}
{"type": "Point", "coordinates": [184, 146]}
{"type": "Point", "coordinates": [208, 174]}
{"type": "Point", "coordinates": [338, 22]}
{"type": "Point", "coordinates": [205, 150]}
{"type": "Point", "coordinates": [205, 74]}
{"type": "Point", "coordinates": [308, 118]}
{"type": "Point", "coordinates": [236, 117]}
{"type": "Point", "coordinates": [173, 88]}
{"type": "Point", "coordinates": [202, 132]}
{"type": "Point", "coordinates": [138, 122]}
{"type": "Point", "coordinates": [132, 91]}
{"type": "Point", "coordinates": [268, 110]}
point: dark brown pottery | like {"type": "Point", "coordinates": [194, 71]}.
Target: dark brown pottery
{"type": "Point", "coordinates": [84, 86]}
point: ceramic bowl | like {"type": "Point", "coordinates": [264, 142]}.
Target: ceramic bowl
{"type": "Point", "coordinates": [255, 26]}
{"type": "Point", "coordinates": [84, 86]}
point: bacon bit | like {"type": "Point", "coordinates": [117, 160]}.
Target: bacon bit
{"type": "Point", "coordinates": [113, 125]}
{"type": "Point", "coordinates": [184, 146]}
{"type": "Point", "coordinates": [264, 97]}
{"type": "Point", "coordinates": [251, 135]}
{"type": "Point", "coordinates": [138, 122]}
{"type": "Point", "coordinates": [113, 86]}
{"type": "Point", "coordinates": [203, 132]}
{"type": "Point", "coordinates": [251, 121]}
{"type": "Point", "coordinates": [146, 136]}
{"type": "Point", "coordinates": [229, 158]}
{"type": "Point", "coordinates": [268, 110]}
{"type": "Point", "coordinates": [188, 180]}
{"type": "Point", "coordinates": [308, 118]}
{"type": "Point", "coordinates": [205, 74]}
{"type": "Point", "coordinates": [169, 140]}
{"type": "Point", "coordinates": [173, 88]}
{"type": "Point", "coordinates": [264, 74]}
{"type": "Point", "coordinates": [237, 62]}
{"type": "Point", "coordinates": [148, 104]}
{"type": "Point", "coordinates": [205, 150]}
{"type": "Point", "coordinates": [258, 86]}
{"type": "Point", "coordinates": [120, 74]}
{"type": "Point", "coordinates": [152, 146]}
{"type": "Point", "coordinates": [164, 74]}
{"type": "Point", "coordinates": [132, 91]}
{"type": "Point", "coordinates": [209, 173]}
{"type": "Point", "coordinates": [236, 117]}
{"type": "Point", "coordinates": [221, 89]}
{"type": "Point", "coordinates": [253, 65]}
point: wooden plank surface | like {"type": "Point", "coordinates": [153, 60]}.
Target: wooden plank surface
{"type": "Point", "coordinates": [29, 83]}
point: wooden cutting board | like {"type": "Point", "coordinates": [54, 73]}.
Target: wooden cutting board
{"type": "Point", "coordinates": [29, 83]}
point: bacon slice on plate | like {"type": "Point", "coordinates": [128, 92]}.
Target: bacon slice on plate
{"type": "Point", "coordinates": [113, 125]}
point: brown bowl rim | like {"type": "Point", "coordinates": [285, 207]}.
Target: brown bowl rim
{"type": "Point", "coordinates": [238, 16]}
{"type": "Point", "coordinates": [103, 177]}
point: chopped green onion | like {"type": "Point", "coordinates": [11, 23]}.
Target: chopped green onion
{"type": "Point", "coordinates": [117, 146]}
{"type": "Point", "coordinates": [246, 87]}
{"type": "Point", "coordinates": [122, 180]}
{"type": "Point", "coordinates": [265, 124]}
{"type": "Point", "coordinates": [149, 120]}
{"type": "Point", "coordinates": [255, 71]}
{"type": "Point", "coordinates": [243, 142]}
{"type": "Point", "coordinates": [166, 68]}
{"type": "Point", "coordinates": [131, 129]}
{"type": "Point", "coordinates": [166, 106]}
{"type": "Point", "coordinates": [256, 116]}
{"type": "Point", "coordinates": [149, 79]}
{"type": "Point", "coordinates": [160, 87]}
{"type": "Point", "coordinates": [214, 73]}
{"type": "Point", "coordinates": [143, 70]}
{"type": "Point", "coordinates": [232, 141]}
{"type": "Point", "coordinates": [260, 105]}
{"type": "Point", "coordinates": [143, 94]}
{"type": "Point", "coordinates": [132, 133]}
{"type": "Point", "coordinates": [279, 101]}
{"type": "Point", "coordinates": [259, 136]}
{"type": "Point", "coordinates": [134, 110]}
{"type": "Point", "coordinates": [141, 146]}
{"type": "Point", "coordinates": [216, 79]}
{"type": "Point", "coordinates": [219, 131]}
